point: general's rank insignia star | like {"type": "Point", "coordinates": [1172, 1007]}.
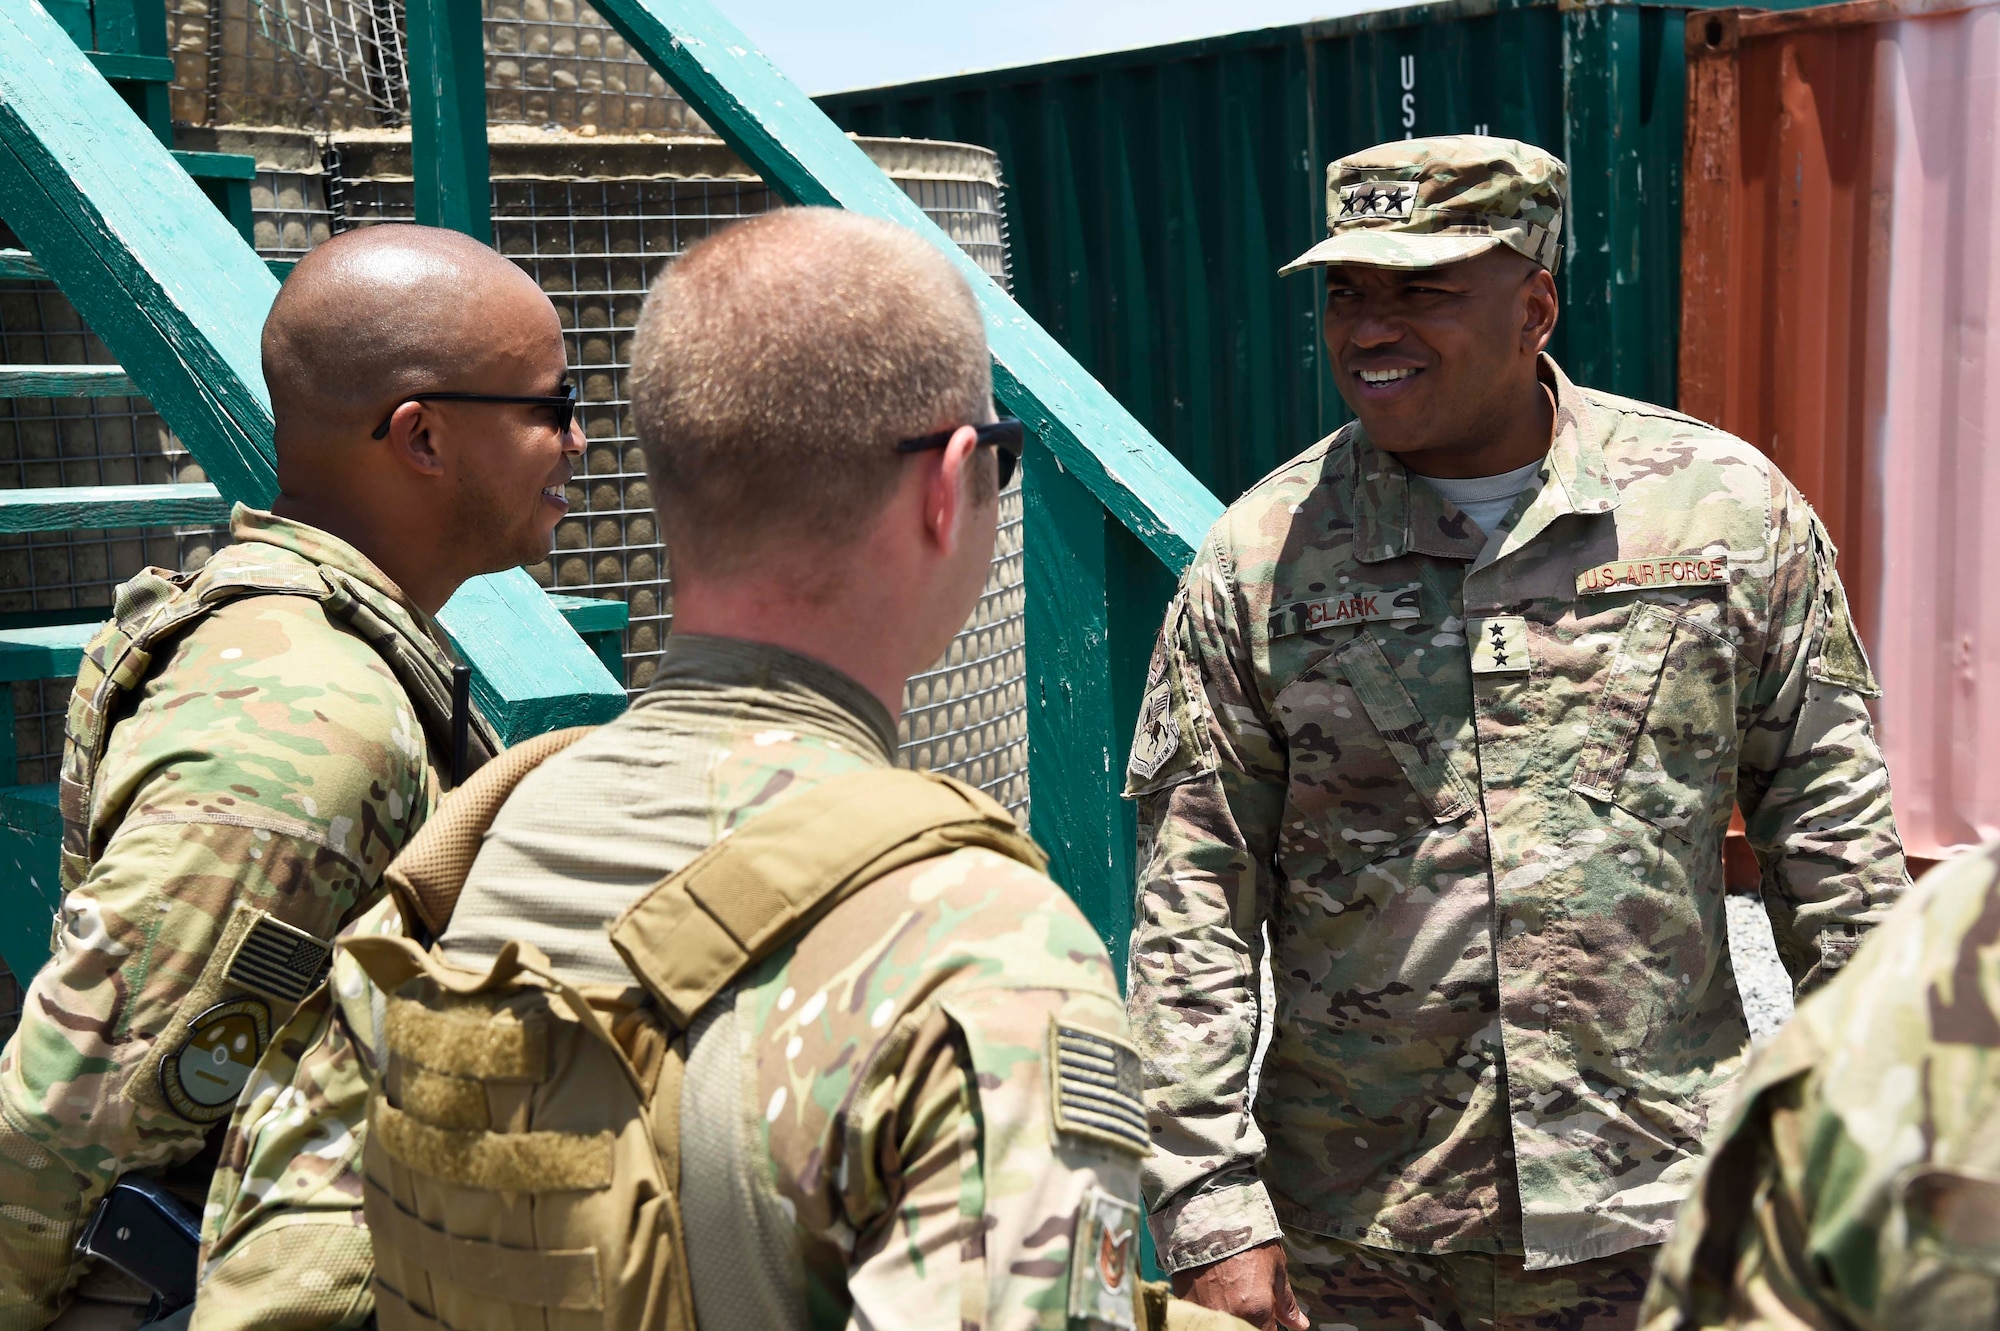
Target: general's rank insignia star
{"type": "Point", "coordinates": [1499, 645]}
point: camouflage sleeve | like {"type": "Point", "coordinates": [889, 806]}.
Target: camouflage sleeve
{"type": "Point", "coordinates": [1811, 781]}
{"type": "Point", "coordinates": [284, 1244]}
{"type": "Point", "coordinates": [1854, 1183]}
{"type": "Point", "coordinates": [1209, 776]}
{"type": "Point", "coordinates": [266, 788]}
{"type": "Point", "coordinates": [996, 1215]}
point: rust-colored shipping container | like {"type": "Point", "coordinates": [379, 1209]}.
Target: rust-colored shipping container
{"type": "Point", "coordinates": [1840, 274]}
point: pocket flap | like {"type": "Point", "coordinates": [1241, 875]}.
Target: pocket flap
{"type": "Point", "coordinates": [1621, 707]}
{"type": "Point", "coordinates": [1394, 715]}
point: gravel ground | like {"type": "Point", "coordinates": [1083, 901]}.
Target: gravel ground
{"type": "Point", "coordinates": [1766, 989]}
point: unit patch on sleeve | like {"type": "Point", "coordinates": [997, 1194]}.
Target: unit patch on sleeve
{"type": "Point", "coordinates": [1355, 606]}
{"type": "Point", "coordinates": [1627, 575]}
{"type": "Point", "coordinates": [202, 1078]}
{"type": "Point", "coordinates": [1094, 1090]}
{"type": "Point", "coordinates": [1159, 736]}
{"type": "Point", "coordinates": [1104, 1262]}
{"type": "Point", "coordinates": [282, 963]}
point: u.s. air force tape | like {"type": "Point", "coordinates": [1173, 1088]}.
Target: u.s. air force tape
{"type": "Point", "coordinates": [282, 963]}
{"type": "Point", "coordinates": [1095, 1088]}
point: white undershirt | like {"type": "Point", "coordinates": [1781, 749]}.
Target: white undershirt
{"type": "Point", "coordinates": [1486, 499]}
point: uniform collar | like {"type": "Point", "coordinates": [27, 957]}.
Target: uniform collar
{"type": "Point", "coordinates": [1397, 514]}
{"type": "Point", "coordinates": [254, 526]}
{"type": "Point", "coordinates": [758, 683]}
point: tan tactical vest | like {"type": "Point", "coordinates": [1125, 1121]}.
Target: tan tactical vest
{"type": "Point", "coordinates": [153, 610]}
{"type": "Point", "coordinates": [522, 1167]}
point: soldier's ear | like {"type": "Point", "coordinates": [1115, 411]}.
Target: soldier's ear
{"type": "Point", "coordinates": [413, 438]}
{"type": "Point", "coordinates": [1540, 308]}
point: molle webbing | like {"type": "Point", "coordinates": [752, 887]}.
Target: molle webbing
{"type": "Point", "coordinates": [767, 881]}
{"type": "Point", "coordinates": [152, 611]}
{"type": "Point", "coordinates": [428, 875]}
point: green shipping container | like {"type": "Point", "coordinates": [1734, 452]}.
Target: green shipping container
{"type": "Point", "coordinates": [1153, 194]}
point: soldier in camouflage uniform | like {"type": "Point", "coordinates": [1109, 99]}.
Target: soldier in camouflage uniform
{"type": "Point", "coordinates": [249, 746]}
{"type": "Point", "coordinates": [1453, 709]}
{"type": "Point", "coordinates": [920, 1112]}
{"type": "Point", "coordinates": [1857, 1182]}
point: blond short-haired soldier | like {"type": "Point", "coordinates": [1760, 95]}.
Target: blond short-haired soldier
{"type": "Point", "coordinates": [1456, 704]}
{"type": "Point", "coordinates": [730, 1022]}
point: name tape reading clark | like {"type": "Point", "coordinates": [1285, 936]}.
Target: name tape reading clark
{"type": "Point", "coordinates": [1625, 575]}
{"type": "Point", "coordinates": [1353, 607]}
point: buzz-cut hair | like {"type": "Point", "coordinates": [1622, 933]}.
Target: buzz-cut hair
{"type": "Point", "coordinates": [776, 366]}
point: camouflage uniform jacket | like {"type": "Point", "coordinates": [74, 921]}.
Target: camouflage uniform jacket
{"type": "Point", "coordinates": [1857, 1183]}
{"type": "Point", "coordinates": [895, 1129]}
{"type": "Point", "coordinates": [270, 767]}
{"type": "Point", "coordinates": [1476, 792]}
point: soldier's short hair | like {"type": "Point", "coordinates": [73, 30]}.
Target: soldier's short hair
{"type": "Point", "coordinates": [776, 366]}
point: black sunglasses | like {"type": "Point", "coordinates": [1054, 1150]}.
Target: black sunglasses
{"type": "Point", "coordinates": [564, 405]}
{"type": "Point", "coordinates": [1006, 435]}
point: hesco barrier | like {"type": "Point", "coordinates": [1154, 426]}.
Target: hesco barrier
{"type": "Point", "coordinates": [594, 220]}
{"type": "Point", "coordinates": [1154, 193]}
{"type": "Point", "coordinates": [338, 65]}
{"type": "Point", "coordinates": [46, 442]}
{"type": "Point", "coordinates": [1842, 282]}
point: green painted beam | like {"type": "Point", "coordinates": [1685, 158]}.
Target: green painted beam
{"type": "Point", "coordinates": [51, 651]}
{"type": "Point", "coordinates": [799, 152]}
{"type": "Point", "coordinates": [65, 381]}
{"type": "Point", "coordinates": [446, 50]}
{"type": "Point", "coordinates": [21, 266]}
{"type": "Point", "coordinates": [180, 299]}
{"type": "Point", "coordinates": [107, 507]}
{"type": "Point", "coordinates": [30, 846]}
{"type": "Point", "coordinates": [133, 68]}
{"type": "Point", "coordinates": [217, 166]}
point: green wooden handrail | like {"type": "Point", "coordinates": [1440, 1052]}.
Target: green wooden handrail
{"type": "Point", "coordinates": [180, 299]}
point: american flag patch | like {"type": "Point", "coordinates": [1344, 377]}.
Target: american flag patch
{"type": "Point", "coordinates": [278, 961]}
{"type": "Point", "coordinates": [1096, 1088]}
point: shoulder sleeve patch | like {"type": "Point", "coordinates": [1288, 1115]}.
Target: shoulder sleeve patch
{"type": "Point", "coordinates": [1170, 743]}
{"type": "Point", "coordinates": [1094, 1088]}
{"type": "Point", "coordinates": [1837, 656]}
{"type": "Point", "coordinates": [1104, 1263]}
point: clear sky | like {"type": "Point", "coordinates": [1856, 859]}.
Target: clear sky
{"type": "Point", "coordinates": [829, 45]}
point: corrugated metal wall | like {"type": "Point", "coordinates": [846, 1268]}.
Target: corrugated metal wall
{"type": "Point", "coordinates": [1842, 279]}
{"type": "Point", "coordinates": [1154, 193]}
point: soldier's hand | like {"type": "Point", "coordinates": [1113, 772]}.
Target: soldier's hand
{"type": "Point", "coordinates": [1250, 1284]}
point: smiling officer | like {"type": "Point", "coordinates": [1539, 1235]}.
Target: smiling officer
{"type": "Point", "coordinates": [1453, 708]}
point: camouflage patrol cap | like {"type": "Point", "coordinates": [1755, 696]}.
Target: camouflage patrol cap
{"type": "Point", "coordinates": [1421, 203]}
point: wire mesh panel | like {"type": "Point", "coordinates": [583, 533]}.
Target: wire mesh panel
{"type": "Point", "coordinates": [556, 62]}
{"type": "Point", "coordinates": [594, 220]}
{"type": "Point", "coordinates": [320, 64]}
{"type": "Point", "coordinates": [340, 64]}
{"type": "Point", "coordinates": [47, 442]}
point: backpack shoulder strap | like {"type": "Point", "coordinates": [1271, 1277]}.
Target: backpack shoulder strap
{"type": "Point", "coordinates": [429, 873]}
{"type": "Point", "coordinates": [690, 935]}
{"type": "Point", "coordinates": [151, 611]}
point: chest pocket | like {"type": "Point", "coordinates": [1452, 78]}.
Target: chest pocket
{"type": "Point", "coordinates": [1662, 736]}
{"type": "Point", "coordinates": [1368, 772]}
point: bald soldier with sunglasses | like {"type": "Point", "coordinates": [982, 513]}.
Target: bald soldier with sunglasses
{"type": "Point", "coordinates": [251, 744]}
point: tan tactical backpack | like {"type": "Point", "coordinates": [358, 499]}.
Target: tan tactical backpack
{"type": "Point", "coordinates": [523, 1156]}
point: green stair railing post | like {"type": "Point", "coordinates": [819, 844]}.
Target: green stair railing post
{"type": "Point", "coordinates": [1110, 515]}
{"type": "Point", "coordinates": [180, 299]}
{"type": "Point", "coordinates": [447, 62]}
